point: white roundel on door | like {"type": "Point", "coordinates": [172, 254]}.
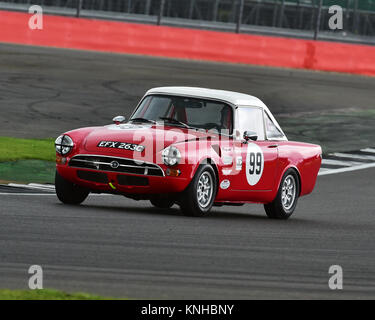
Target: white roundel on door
{"type": "Point", "coordinates": [254, 164]}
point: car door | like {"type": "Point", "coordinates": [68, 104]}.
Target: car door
{"type": "Point", "coordinates": [259, 158]}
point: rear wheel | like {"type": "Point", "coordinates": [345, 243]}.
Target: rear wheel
{"type": "Point", "coordinates": [198, 198]}
{"type": "Point", "coordinates": [68, 192]}
{"type": "Point", "coordinates": [286, 200]}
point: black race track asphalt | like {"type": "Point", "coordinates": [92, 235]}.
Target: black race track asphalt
{"type": "Point", "coordinates": [118, 247]}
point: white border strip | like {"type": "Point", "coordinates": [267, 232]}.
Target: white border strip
{"type": "Point", "coordinates": [26, 194]}
{"type": "Point", "coordinates": [43, 186]}
{"type": "Point", "coordinates": [371, 150]}
{"type": "Point", "coordinates": [49, 194]}
{"type": "Point", "coordinates": [340, 163]}
{"type": "Point", "coordinates": [353, 156]}
{"type": "Point", "coordinates": [354, 168]}
{"type": "Point", "coordinates": [31, 186]}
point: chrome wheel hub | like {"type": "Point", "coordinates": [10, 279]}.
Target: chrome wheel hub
{"type": "Point", "coordinates": [204, 189]}
{"type": "Point", "coordinates": [289, 191]}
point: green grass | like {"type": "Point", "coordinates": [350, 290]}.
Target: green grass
{"type": "Point", "coordinates": [12, 149]}
{"type": "Point", "coordinates": [46, 294]}
{"type": "Point", "coordinates": [26, 171]}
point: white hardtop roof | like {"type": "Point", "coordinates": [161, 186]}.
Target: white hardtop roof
{"type": "Point", "coordinates": [235, 98]}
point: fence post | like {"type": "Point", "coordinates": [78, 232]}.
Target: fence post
{"type": "Point", "coordinates": [215, 9]}
{"type": "Point", "coordinates": [239, 18]}
{"type": "Point", "coordinates": [147, 7]}
{"type": "Point", "coordinates": [79, 7]}
{"type": "Point", "coordinates": [281, 14]}
{"type": "Point", "coordinates": [355, 17]}
{"type": "Point", "coordinates": [191, 9]}
{"type": "Point", "coordinates": [319, 15]}
{"type": "Point", "coordinates": [161, 10]}
{"type": "Point", "coordinates": [347, 14]}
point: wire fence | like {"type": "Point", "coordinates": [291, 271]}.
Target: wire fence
{"type": "Point", "coordinates": [305, 15]}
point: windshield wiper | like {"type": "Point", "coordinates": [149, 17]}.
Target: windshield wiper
{"type": "Point", "coordinates": [142, 120]}
{"type": "Point", "coordinates": [172, 120]}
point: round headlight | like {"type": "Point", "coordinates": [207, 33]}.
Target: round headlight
{"type": "Point", "coordinates": [171, 156]}
{"type": "Point", "coordinates": [64, 144]}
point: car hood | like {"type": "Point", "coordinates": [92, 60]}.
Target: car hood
{"type": "Point", "coordinates": [150, 136]}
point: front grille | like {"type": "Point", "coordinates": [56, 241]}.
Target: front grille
{"type": "Point", "coordinates": [103, 163]}
{"type": "Point", "coordinates": [92, 176]}
{"type": "Point", "coordinates": [132, 180]}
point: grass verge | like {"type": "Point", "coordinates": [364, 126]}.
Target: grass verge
{"type": "Point", "coordinates": [27, 160]}
{"type": "Point", "coordinates": [27, 171]}
{"type": "Point", "coordinates": [46, 294]}
{"type": "Point", "coordinates": [12, 149]}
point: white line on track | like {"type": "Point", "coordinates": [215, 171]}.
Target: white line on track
{"type": "Point", "coordinates": [370, 150]}
{"type": "Point", "coordinates": [353, 156]}
{"type": "Point", "coordinates": [354, 168]}
{"type": "Point", "coordinates": [340, 163]}
{"type": "Point", "coordinates": [31, 186]}
{"type": "Point", "coordinates": [47, 194]}
{"type": "Point", "coordinates": [26, 194]}
{"type": "Point", "coordinates": [348, 161]}
{"type": "Point", "coordinates": [25, 186]}
{"type": "Point", "coordinates": [44, 186]}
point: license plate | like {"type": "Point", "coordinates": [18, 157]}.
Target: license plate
{"type": "Point", "coordinates": [121, 145]}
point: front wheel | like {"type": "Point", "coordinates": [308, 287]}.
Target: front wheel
{"type": "Point", "coordinates": [68, 192]}
{"type": "Point", "coordinates": [199, 196]}
{"type": "Point", "coordinates": [286, 200]}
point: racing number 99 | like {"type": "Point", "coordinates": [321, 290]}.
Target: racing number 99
{"type": "Point", "coordinates": [255, 163]}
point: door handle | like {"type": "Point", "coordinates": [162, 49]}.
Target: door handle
{"type": "Point", "coordinates": [273, 146]}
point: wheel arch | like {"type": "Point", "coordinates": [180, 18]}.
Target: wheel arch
{"type": "Point", "coordinates": [213, 164]}
{"type": "Point", "coordinates": [295, 169]}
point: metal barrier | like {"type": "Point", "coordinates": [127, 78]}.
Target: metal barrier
{"type": "Point", "coordinates": [309, 16]}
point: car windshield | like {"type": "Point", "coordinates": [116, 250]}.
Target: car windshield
{"type": "Point", "coordinates": [184, 111]}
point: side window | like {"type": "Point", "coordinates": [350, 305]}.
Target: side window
{"type": "Point", "coordinates": [272, 131]}
{"type": "Point", "coordinates": [251, 118]}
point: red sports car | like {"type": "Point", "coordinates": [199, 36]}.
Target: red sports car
{"type": "Point", "coordinates": [193, 147]}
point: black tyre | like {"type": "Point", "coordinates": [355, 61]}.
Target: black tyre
{"type": "Point", "coordinates": [199, 196]}
{"type": "Point", "coordinates": [68, 192]}
{"type": "Point", "coordinates": [162, 203]}
{"type": "Point", "coordinates": [286, 200]}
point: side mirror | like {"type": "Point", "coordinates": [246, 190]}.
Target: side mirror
{"type": "Point", "coordinates": [119, 119]}
{"type": "Point", "coordinates": [250, 135]}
